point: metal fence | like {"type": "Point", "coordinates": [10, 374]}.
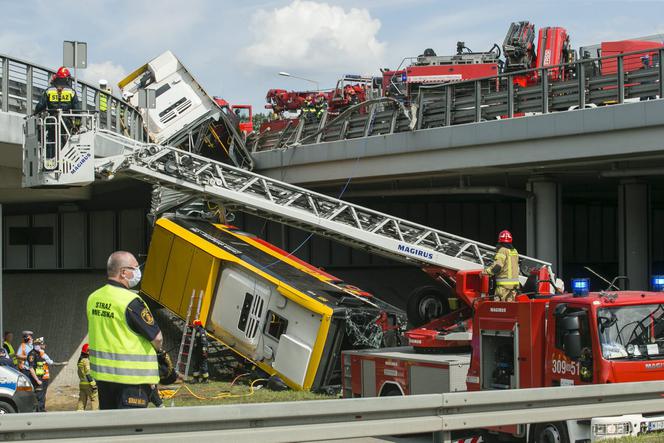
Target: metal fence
{"type": "Point", "coordinates": [340, 419]}
{"type": "Point", "coordinates": [586, 83]}
{"type": "Point", "coordinates": [23, 83]}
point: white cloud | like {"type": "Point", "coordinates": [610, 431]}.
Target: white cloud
{"type": "Point", "coordinates": [105, 70]}
{"type": "Point", "coordinates": [315, 36]}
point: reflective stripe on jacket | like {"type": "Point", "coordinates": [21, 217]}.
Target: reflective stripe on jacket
{"type": "Point", "coordinates": [508, 262]}
{"type": "Point", "coordinates": [117, 354]}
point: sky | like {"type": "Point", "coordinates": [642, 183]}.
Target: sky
{"type": "Point", "coordinates": [237, 48]}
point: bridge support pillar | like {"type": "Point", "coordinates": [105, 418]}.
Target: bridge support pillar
{"type": "Point", "coordinates": [544, 221]}
{"type": "Point", "coordinates": [634, 233]}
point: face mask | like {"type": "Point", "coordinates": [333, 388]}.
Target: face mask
{"type": "Point", "coordinates": [136, 277]}
{"type": "Point", "coordinates": [37, 347]}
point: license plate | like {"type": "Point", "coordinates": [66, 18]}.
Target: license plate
{"type": "Point", "coordinates": [656, 426]}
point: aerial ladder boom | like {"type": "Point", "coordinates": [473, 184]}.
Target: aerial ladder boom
{"type": "Point", "coordinates": [100, 154]}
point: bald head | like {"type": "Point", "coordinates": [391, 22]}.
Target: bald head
{"type": "Point", "coordinates": [118, 261]}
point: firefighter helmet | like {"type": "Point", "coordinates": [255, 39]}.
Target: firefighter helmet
{"type": "Point", "coordinates": [85, 349]}
{"type": "Point", "coordinates": [505, 237]}
{"type": "Point", "coordinates": [63, 73]}
{"type": "Point", "coordinates": [38, 341]}
{"type": "Point", "coordinates": [197, 322]}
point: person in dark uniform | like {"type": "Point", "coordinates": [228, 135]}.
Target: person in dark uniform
{"type": "Point", "coordinates": [39, 362]}
{"type": "Point", "coordinates": [123, 338]}
{"type": "Point", "coordinates": [58, 97]}
{"type": "Point", "coordinates": [199, 357]}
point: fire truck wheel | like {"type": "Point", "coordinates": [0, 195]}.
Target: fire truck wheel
{"type": "Point", "coordinates": [425, 304]}
{"type": "Point", "coordinates": [555, 432]}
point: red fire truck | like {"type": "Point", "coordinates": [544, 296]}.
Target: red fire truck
{"type": "Point", "coordinates": [540, 340]}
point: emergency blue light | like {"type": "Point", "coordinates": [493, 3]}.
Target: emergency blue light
{"type": "Point", "coordinates": [657, 283]}
{"type": "Point", "coordinates": [403, 77]}
{"type": "Point", "coordinates": [580, 286]}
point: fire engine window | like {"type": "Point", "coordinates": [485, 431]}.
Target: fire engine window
{"type": "Point", "coordinates": [244, 313]}
{"type": "Point", "coordinates": [584, 328]}
{"type": "Point", "coordinates": [276, 325]}
{"type": "Point", "coordinates": [242, 114]}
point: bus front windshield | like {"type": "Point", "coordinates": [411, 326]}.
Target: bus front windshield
{"type": "Point", "coordinates": [631, 332]}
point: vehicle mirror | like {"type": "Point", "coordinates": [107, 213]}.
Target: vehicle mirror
{"type": "Point", "coordinates": [572, 343]}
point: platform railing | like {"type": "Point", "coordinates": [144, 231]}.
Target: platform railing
{"type": "Point", "coordinates": [583, 84]}
{"type": "Point", "coordinates": [22, 83]}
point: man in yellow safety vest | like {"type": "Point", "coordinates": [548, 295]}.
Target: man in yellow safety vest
{"type": "Point", "coordinates": [123, 338]}
{"type": "Point", "coordinates": [505, 268]}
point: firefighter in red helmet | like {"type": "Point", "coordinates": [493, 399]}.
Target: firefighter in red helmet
{"type": "Point", "coordinates": [505, 268]}
{"type": "Point", "coordinates": [59, 97]}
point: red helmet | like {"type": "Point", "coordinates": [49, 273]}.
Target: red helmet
{"type": "Point", "coordinates": [197, 322]}
{"type": "Point", "coordinates": [63, 73]}
{"type": "Point", "coordinates": [85, 349]}
{"type": "Point", "coordinates": [505, 237]}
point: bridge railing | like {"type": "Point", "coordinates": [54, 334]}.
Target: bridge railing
{"type": "Point", "coordinates": [585, 83]}
{"type": "Point", "coordinates": [23, 83]}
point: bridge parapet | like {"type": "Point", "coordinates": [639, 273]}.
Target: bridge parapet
{"type": "Point", "coordinates": [22, 84]}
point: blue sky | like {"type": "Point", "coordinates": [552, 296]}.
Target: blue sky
{"type": "Point", "coordinates": [235, 49]}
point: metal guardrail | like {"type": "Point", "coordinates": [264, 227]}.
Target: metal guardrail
{"type": "Point", "coordinates": [22, 84]}
{"type": "Point", "coordinates": [340, 419]}
{"type": "Point", "coordinates": [583, 84]}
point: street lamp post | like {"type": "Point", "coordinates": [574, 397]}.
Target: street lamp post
{"type": "Point", "coordinates": [286, 74]}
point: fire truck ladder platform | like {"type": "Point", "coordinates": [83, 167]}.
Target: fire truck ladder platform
{"type": "Point", "coordinates": [238, 189]}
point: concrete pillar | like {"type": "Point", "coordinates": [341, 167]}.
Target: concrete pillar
{"type": "Point", "coordinates": [634, 233]}
{"type": "Point", "coordinates": [544, 222]}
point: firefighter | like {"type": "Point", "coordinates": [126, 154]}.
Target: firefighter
{"type": "Point", "coordinates": [505, 268]}
{"type": "Point", "coordinates": [199, 358]}
{"type": "Point", "coordinates": [39, 363]}
{"type": "Point", "coordinates": [124, 337]}
{"type": "Point", "coordinates": [321, 105]}
{"type": "Point", "coordinates": [87, 386]}
{"type": "Point", "coordinates": [7, 345]}
{"type": "Point", "coordinates": [22, 353]}
{"type": "Point", "coordinates": [309, 109]}
{"type": "Point", "coordinates": [59, 97]}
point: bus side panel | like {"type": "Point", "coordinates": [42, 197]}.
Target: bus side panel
{"type": "Point", "coordinates": [175, 277]}
{"type": "Point", "coordinates": [155, 267]}
{"type": "Point", "coordinates": [202, 277]}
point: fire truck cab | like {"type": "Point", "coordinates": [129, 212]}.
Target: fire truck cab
{"type": "Point", "coordinates": [569, 339]}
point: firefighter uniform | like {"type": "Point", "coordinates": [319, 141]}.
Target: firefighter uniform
{"type": "Point", "coordinates": [54, 98]}
{"type": "Point", "coordinates": [199, 362]}
{"type": "Point", "coordinates": [505, 269]}
{"type": "Point", "coordinates": [87, 386]}
{"type": "Point", "coordinates": [122, 359]}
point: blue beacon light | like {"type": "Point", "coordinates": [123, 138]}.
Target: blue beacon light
{"type": "Point", "coordinates": [657, 283]}
{"type": "Point", "coordinates": [580, 287]}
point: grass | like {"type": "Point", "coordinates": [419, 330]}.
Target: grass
{"type": "Point", "coordinates": [223, 393]}
{"type": "Point", "coordinates": [654, 438]}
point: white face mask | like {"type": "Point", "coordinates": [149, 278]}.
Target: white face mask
{"type": "Point", "coordinates": [136, 277]}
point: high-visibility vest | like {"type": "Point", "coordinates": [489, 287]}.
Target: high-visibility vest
{"type": "Point", "coordinates": [118, 354]}
{"type": "Point", "coordinates": [103, 102]}
{"type": "Point", "coordinates": [41, 367]}
{"type": "Point", "coordinates": [60, 99]}
{"type": "Point", "coordinates": [10, 351]}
